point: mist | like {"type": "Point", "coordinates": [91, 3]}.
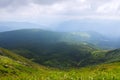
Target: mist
{"type": "Point", "coordinates": [109, 28]}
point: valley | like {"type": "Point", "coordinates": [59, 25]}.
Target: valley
{"type": "Point", "coordinates": [35, 54]}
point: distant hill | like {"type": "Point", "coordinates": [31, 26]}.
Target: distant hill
{"type": "Point", "coordinates": [9, 26]}
{"type": "Point", "coordinates": [28, 37]}
{"type": "Point", "coordinates": [89, 37]}
{"type": "Point", "coordinates": [110, 27]}
{"type": "Point", "coordinates": [38, 36]}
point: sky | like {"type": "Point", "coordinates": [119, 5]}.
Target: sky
{"type": "Point", "coordinates": [42, 10]}
{"type": "Point", "coordinates": [50, 12]}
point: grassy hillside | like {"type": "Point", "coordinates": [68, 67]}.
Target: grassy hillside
{"type": "Point", "coordinates": [113, 56]}
{"type": "Point", "coordinates": [16, 57]}
{"type": "Point", "coordinates": [60, 55]}
{"type": "Point", "coordinates": [15, 67]}
{"type": "Point", "coordinates": [100, 72]}
{"type": "Point", "coordinates": [13, 64]}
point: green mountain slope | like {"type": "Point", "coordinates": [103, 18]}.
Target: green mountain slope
{"type": "Point", "coordinates": [13, 64]}
{"type": "Point", "coordinates": [42, 37]}
{"type": "Point", "coordinates": [45, 47]}
{"type": "Point", "coordinates": [28, 37]}
{"type": "Point", "coordinates": [13, 67]}
{"type": "Point", "coordinates": [88, 37]}
{"type": "Point", "coordinates": [113, 56]}
{"type": "Point", "coordinates": [104, 71]}
{"type": "Point", "coordinates": [54, 49]}
{"type": "Point", "coordinates": [59, 55]}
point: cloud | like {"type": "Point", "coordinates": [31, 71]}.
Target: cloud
{"type": "Point", "coordinates": [105, 9]}
{"type": "Point", "coordinates": [17, 3]}
{"type": "Point", "coordinates": [110, 7]}
{"type": "Point", "coordinates": [47, 2]}
{"type": "Point", "coordinates": [12, 3]}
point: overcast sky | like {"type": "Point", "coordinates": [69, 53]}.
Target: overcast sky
{"type": "Point", "coordinates": [52, 10]}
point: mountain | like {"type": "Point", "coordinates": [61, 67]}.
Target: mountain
{"type": "Point", "coordinates": [29, 37]}
{"type": "Point", "coordinates": [38, 36]}
{"type": "Point", "coordinates": [113, 56]}
{"type": "Point", "coordinates": [109, 28]}
{"type": "Point", "coordinates": [75, 31]}
{"type": "Point", "coordinates": [62, 60]}
{"type": "Point", "coordinates": [105, 56]}
{"type": "Point", "coordinates": [45, 47]}
{"type": "Point", "coordinates": [90, 37]}
{"type": "Point", "coordinates": [8, 26]}
{"type": "Point", "coordinates": [53, 48]}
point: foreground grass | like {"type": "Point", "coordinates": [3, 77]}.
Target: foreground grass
{"type": "Point", "coordinates": [101, 72]}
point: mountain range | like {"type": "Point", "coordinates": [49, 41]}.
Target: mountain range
{"type": "Point", "coordinates": [109, 28]}
{"type": "Point", "coordinates": [53, 48]}
{"type": "Point", "coordinates": [57, 55]}
{"type": "Point", "coordinates": [8, 26]}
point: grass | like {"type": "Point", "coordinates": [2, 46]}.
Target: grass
{"type": "Point", "coordinates": [13, 68]}
{"type": "Point", "coordinates": [101, 72]}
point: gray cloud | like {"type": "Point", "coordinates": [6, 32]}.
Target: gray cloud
{"type": "Point", "coordinates": [17, 3]}
{"type": "Point", "coordinates": [12, 3]}
{"type": "Point", "coordinates": [47, 2]}
{"type": "Point", "coordinates": [5, 3]}
{"type": "Point", "coordinates": [70, 8]}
